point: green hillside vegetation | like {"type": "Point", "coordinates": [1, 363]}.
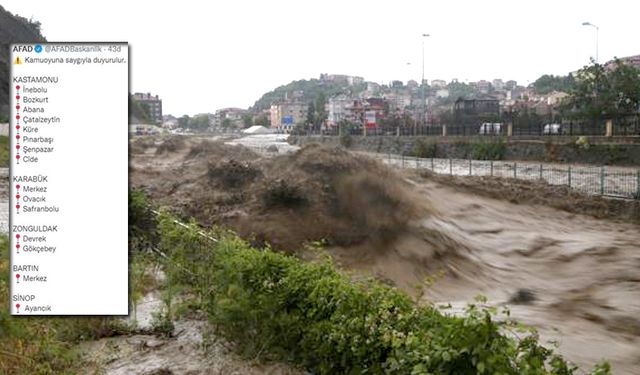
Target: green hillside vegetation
{"type": "Point", "coordinates": [4, 151]}
{"type": "Point", "coordinates": [548, 83]}
{"type": "Point", "coordinates": [13, 29]}
{"type": "Point", "coordinates": [310, 88]}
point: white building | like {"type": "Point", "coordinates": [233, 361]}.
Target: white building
{"type": "Point", "coordinates": [338, 109]}
{"type": "Point", "coordinates": [438, 83]}
{"type": "Point", "coordinates": [398, 99]}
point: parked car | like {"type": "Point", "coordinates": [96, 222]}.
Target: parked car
{"type": "Point", "coordinates": [552, 129]}
{"type": "Point", "coordinates": [490, 128]}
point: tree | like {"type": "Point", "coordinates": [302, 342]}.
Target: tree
{"type": "Point", "coordinates": [200, 122]}
{"type": "Point", "coordinates": [183, 122]}
{"type": "Point", "coordinates": [247, 120]}
{"type": "Point", "coordinates": [321, 113]}
{"type": "Point", "coordinates": [548, 83]}
{"type": "Point", "coordinates": [624, 81]}
{"type": "Point", "coordinates": [311, 113]}
{"type": "Point", "coordinates": [138, 112]}
{"type": "Point", "coordinates": [262, 120]}
{"type": "Point", "coordinates": [226, 123]}
{"type": "Point", "coordinates": [602, 92]}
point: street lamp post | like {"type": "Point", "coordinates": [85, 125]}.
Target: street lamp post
{"type": "Point", "coordinates": [422, 103]}
{"type": "Point", "coordinates": [597, 36]}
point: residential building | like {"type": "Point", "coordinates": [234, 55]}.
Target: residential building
{"type": "Point", "coordinates": [367, 112]}
{"type": "Point", "coordinates": [477, 109]}
{"type": "Point", "coordinates": [285, 115]}
{"type": "Point", "coordinates": [629, 60]}
{"type": "Point", "coordinates": [152, 104]}
{"type": "Point", "coordinates": [442, 93]}
{"type": "Point", "coordinates": [372, 86]}
{"type": "Point", "coordinates": [355, 80]}
{"type": "Point", "coordinates": [342, 78]}
{"type": "Point", "coordinates": [398, 99]}
{"type": "Point", "coordinates": [438, 83]}
{"type": "Point", "coordinates": [498, 84]}
{"type": "Point", "coordinates": [555, 97]}
{"type": "Point", "coordinates": [484, 86]}
{"type": "Point", "coordinates": [231, 116]}
{"type": "Point", "coordinates": [337, 110]}
{"type": "Point", "coordinates": [169, 122]}
{"type": "Point", "coordinates": [510, 84]}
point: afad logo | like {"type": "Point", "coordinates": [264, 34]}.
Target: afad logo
{"type": "Point", "coordinates": [22, 48]}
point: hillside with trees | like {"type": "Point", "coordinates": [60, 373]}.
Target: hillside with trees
{"type": "Point", "coordinates": [604, 92]}
{"type": "Point", "coordinates": [310, 90]}
{"type": "Point", "coordinates": [548, 83]}
{"type": "Point", "coordinates": [13, 29]}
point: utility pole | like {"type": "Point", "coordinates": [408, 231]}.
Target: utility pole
{"type": "Point", "coordinates": [422, 103]}
{"type": "Point", "coordinates": [597, 36]}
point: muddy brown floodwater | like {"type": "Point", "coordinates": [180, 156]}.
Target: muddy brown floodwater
{"type": "Point", "coordinates": [574, 277]}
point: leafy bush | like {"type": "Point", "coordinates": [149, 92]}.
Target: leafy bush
{"type": "Point", "coordinates": [424, 149]}
{"type": "Point", "coordinates": [142, 224]}
{"type": "Point", "coordinates": [346, 140]}
{"type": "Point", "coordinates": [489, 150]}
{"type": "Point", "coordinates": [4, 150]}
{"type": "Point", "coordinates": [583, 143]}
{"type": "Point", "coordinates": [277, 307]}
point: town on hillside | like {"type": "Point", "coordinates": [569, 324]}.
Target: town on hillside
{"type": "Point", "coordinates": [350, 103]}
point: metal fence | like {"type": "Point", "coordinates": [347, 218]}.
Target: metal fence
{"type": "Point", "coordinates": [605, 181]}
{"type": "Point", "coordinates": [625, 126]}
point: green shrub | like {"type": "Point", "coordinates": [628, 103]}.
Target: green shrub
{"type": "Point", "coordinates": [583, 143]}
{"type": "Point", "coordinates": [4, 150]}
{"type": "Point", "coordinates": [346, 140]}
{"type": "Point", "coordinates": [424, 149]}
{"type": "Point", "coordinates": [142, 224]}
{"type": "Point", "coordinates": [489, 150]}
{"type": "Point", "coordinates": [275, 306]}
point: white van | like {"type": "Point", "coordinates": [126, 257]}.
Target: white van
{"type": "Point", "coordinates": [490, 128]}
{"type": "Point", "coordinates": [552, 129]}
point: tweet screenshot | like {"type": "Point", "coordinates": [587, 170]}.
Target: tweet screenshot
{"type": "Point", "coordinates": [69, 142]}
{"type": "Point", "coordinates": [349, 187]}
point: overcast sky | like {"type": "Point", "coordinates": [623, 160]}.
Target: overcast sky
{"type": "Point", "coordinates": [203, 55]}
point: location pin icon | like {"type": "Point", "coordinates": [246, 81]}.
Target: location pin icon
{"type": "Point", "coordinates": [18, 278]}
{"type": "Point", "coordinates": [18, 248]}
{"type": "Point", "coordinates": [18, 307]}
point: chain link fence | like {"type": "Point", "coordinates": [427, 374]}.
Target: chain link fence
{"type": "Point", "coordinates": [606, 181]}
{"type": "Point", "coordinates": [618, 182]}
